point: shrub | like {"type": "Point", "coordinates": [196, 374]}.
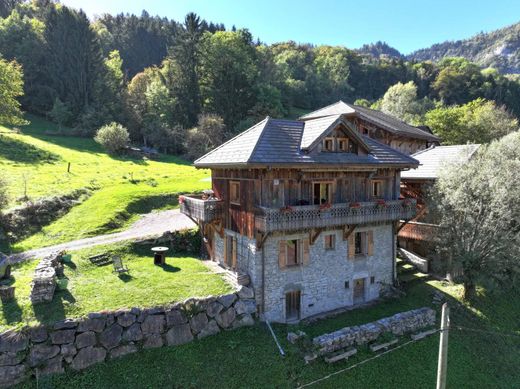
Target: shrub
{"type": "Point", "coordinates": [113, 137]}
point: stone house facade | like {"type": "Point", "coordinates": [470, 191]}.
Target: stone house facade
{"type": "Point", "coordinates": [307, 211]}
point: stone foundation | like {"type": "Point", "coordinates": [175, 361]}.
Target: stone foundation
{"type": "Point", "coordinates": [398, 324]}
{"type": "Point", "coordinates": [44, 281]}
{"type": "Point", "coordinates": [79, 343]}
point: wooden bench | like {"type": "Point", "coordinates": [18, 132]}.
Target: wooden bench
{"type": "Point", "coordinates": [342, 355]}
{"type": "Point", "coordinates": [100, 259]}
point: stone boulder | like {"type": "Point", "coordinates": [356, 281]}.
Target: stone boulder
{"type": "Point", "coordinates": [175, 317]}
{"type": "Point", "coordinates": [246, 293]}
{"type": "Point", "coordinates": [11, 359]}
{"type": "Point", "coordinates": [244, 320]}
{"type": "Point", "coordinates": [153, 341]}
{"type": "Point", "coordinates": [178, 335]}
{"type": "Point", "coordinates": [198, 322]}
{"type": "Point", "coordinates": [95, 323]}
{"type": "Point", "coordinates": [245, 307]}
{"type": "Point", "coordinates": [111, 337]}
{"type": "Point", "coordinates": [13, 342]}
{"type": "Point", "coordinates": [126, 319]}
{"type": "Point", "coordinates": [86, 339]}
{"type": "Point", "coordinates": [52, 366]}
{"type": "Point", "coordinates": [87, 357]}
{"type": "Point", "coordinates": [211, 328]}
{"type": "Point", "coordinates": [63, 336]}
{"type": "Point", "coordinates": [133, 333]}
{"type": "Point", "coordinates": [12, 375]}
{"type": "Point", "coordinates": [65, 324]}
{"type": "Point", "coordinates": [122, 350]}
{"type": "Point", "coordinates": [68, 351]}
{"type": "Point", "coordinates": [153, 324]}
{"type": "Point", "coordinates": [41, 353]}
{"type": "Point", "coordinates": [214, 309]}
{"type": "Point", "coordinates": [38, 334]}
{"type": "Point", "coordinates": [226, 318]}
{"type": "Point", "coordinates": [227, 300]}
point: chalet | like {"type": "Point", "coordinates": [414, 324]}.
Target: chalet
{"type": "Point", "coordinates": [308, 209]}
{"type": "Point", "coordinates": [377, 125]}
{"type": "Point", "coordinates": [418, 235]}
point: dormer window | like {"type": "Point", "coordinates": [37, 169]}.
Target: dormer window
{"type": "Point", "coordinates": [328, 144]}
{"type": "Point", "coordinates": [343, 144]}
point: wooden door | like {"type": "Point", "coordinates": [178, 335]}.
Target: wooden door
{"type": "Point", "coordinates": [359, 290]}
{"type": "Point", "coordinates": [292, 305]}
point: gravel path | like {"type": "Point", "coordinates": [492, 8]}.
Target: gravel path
{"type": "Point", "coordinates": [149, 225]}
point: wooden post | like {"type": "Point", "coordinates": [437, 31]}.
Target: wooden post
{"type": "Point", "coordinates": [443, 347]}
{"type": "Point", "coordinates": [68, 168]}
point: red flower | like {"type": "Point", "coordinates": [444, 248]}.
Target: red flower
{"type": "Point", "coordinates": [355, 205]}
{"type": "Point", "coordinates": [287, 208]}
{"type": "Point", "coordinates": [181, 199]}
{"type": "Point", "coordinates": [381, 203]}
{"type": "Point", "coordinates": [325, 206]}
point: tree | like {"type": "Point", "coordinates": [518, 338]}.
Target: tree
{"type": "Point", "coordinates": [135, 103]}
{"type": "Point", "coordinates": [4, 193]}
{"type": "Point", "coordinates": [113, 137]}
{"type": "Point", "coordinates": [400, 100]}
{"type": "Point", "coordinates": [478, 121]}
{"type": "Point", "coordinates": [476, 205]}
{"type": "Point", "coordinates": [60, 113]}
{"type": "Point", "coordinates": [11, 87]}
{"type": "Point", "coordinates": [209, 133]}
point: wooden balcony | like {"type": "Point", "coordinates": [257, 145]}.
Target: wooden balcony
{"type": "Point", "coordinates": [314, 216]}
{"type": "Point", "coordinates": [201, 210]}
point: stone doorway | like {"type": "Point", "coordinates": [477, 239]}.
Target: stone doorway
{"type": "Point", "coordinates": [292, 305]}
{"type": "Point", "coordinates": [359, 291]}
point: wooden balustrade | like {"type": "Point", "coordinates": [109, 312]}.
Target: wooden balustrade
{"type": "Point", "coordinates": [201, 210]}
{"type": "Point", "coordinates": [315, 216]}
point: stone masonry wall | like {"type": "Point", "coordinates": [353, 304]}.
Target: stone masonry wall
{"type": "Point", "coordinates": [322, 281]}
{"type": "Point", "coordinates": [398, 324]}
{"type": "Point", "coordinates": [80, 343]}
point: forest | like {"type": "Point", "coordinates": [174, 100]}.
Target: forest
{"type": "Point", "coordinates": [183, 87]}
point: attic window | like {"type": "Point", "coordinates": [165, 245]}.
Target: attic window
{"type": "Point", "coordinates": [328, 144]}
{"type": "Point", "coordinates": [343, 144]}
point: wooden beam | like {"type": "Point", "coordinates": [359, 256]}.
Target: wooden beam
{"type": "Point", "coordinates": [218, 227]}
{"type": "Point", "coordinates": [313, 234]}
{"type": "Point", "coordinates": [348, 230]}
{"type": "Point", "coordinates": [260, 239]}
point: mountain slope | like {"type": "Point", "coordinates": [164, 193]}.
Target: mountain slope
{"type": "Point", "coordinates": [499, 49]}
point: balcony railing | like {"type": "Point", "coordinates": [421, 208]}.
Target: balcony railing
{"type": "Point", "coordinates": [201, 210]}
{"type": "Point", "coordinates": [314, 216]}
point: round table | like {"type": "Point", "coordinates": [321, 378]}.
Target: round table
{"type": "Point", "coordinates": [159, 257]}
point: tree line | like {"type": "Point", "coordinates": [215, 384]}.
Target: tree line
{"type": "Point", "coordinates": [184, 87]}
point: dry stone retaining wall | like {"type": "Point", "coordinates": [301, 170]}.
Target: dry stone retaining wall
{"type": "Point", "coordinates": [398, 324]}
{"type": "Point", "coordinates": [80, 343]}
{"type": "Point", "coordinates": [44, 280]}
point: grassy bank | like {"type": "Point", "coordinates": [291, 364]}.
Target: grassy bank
{"type": "Point", "coordinates": [37, 163]}
{"type": "Point", "coordinates": [94, 288]}
{"type": "Point", "coordinates": [248, 358]}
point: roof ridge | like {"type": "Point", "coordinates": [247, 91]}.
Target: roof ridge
{"type": "Point", "coordinates": [235, 137]}
{"type": "Point", "coordinates": [267, 120]}
{"type": "Point", "coordinates": [426, 149]}
{"type": "Point", "coordinates": [322, 108]}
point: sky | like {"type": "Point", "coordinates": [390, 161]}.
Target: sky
{"type": "Point", "coordinates": [406, 25]}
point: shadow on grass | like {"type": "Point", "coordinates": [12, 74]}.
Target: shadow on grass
{"type": "Point", "coordinates": [48, 313]}
{"type": "Point", "coordinates": [11, 309]}
{"type": "Point", "coordinates": [125, 277]}
{"type": "Point", "coordinates": [18, 151]}
{"type": "Point", "coordinates": [169, 268]}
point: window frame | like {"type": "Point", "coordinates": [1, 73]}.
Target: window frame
{"type": "Point", "coordinates": [363, 244]}
{"type": "Point", "coordinates": [346, 142]}
{"type": "Point", "coordinates": [232, 200]}
{"type": "Point", "coordinates": [331, 140]}
{"type": "Point", "coordinates": [297, 253]}
{"type": "Point", "coordinates": [373, 186]}
{"type": "Point", "coordinates": [329, 245]}
{"type": "Point", "coordinates": [330, 194]}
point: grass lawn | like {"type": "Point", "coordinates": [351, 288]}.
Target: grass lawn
{"type": "Point", "coordinates": [248, 358]}
{"type": "Point", "coordinates": [94, 288]}
{"type": "Point", "coordinates": [124, 187]}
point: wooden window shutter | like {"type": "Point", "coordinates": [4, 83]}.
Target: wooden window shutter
{"type": "Point", "coordinates": [282, 254]}
{"type": "Point", "coordinates": [370, 244]}
{"type": "Point", "coordinates": [305, 252]}
{"type": "Point", "coordinates": [352, 245]}
{"type": "Point", "coordinates": [234, 263]}
{"type": "Point", "coordinates": [225, 249]}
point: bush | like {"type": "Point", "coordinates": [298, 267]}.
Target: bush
{"type": "Point", "coordinates": [4, 198]}
{"type": "Point", "coordinates": [113, 137]}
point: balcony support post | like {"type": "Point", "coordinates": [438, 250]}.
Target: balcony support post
{"type": "Point", "coordinates": [313, 234]}
{"type": "Point", "coordinates": [260, 239]}
{"type": "Point", "coordinates": [348, 230]}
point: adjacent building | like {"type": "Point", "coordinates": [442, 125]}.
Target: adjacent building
{"type": "Point", "coordinates": [308, 209]}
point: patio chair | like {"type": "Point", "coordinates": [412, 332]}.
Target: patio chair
{"type": "Point", "coordinates": [118, 265]}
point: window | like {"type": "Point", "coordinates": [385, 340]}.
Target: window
{"type": "Point", "coordinates": [377, 189]}
{"type": "Point", "coordinates": [330, 242]}
{"type": "Point", "coordinates": [343, 144]}
{"type": "Point", "coordinates": [322, 193]}
{"type": "Point", "coordinates": [360, 243]}
{"type": "Point", "coordinates": [328, 144]}
{"type": "Point", "coordinates": [278, 198]}
{"type": "Point", "coordinates": [347, 285]}
{"type": "Point", "coordinates": [372, 279]}
{"type": "Point", "coordinates": [230, 251]}
{"type": "Point", "coordinates": [293, 252]}
{"type": "Point", "coordinates": [234, 192]}
{"type": "Point", "coordinates": [292, 305]}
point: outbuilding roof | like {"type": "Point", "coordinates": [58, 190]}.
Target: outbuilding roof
{"type": "Point", "coordinates": [379, 118]}
{"type": "Point", "coordinates": [279, 142]}
{"type": "Point", "coordinates": [434, 158]}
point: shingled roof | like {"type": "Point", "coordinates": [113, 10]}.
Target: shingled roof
{"type": "Point", "coordinates": [278, 142]}
{"type": "Point", "coordinates": [379, 118]}
{"type": "Point", "coordinates": [434, 158]}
